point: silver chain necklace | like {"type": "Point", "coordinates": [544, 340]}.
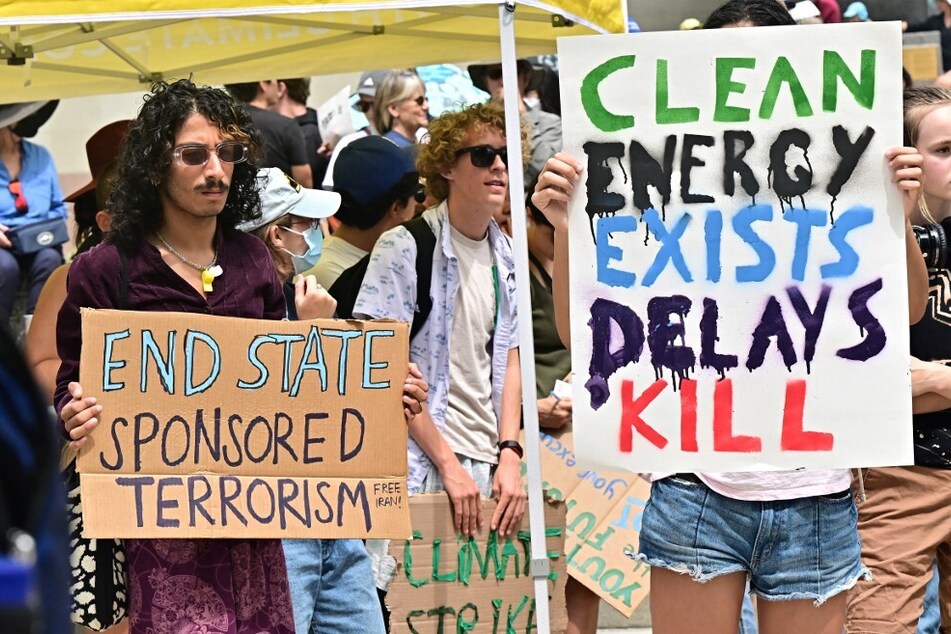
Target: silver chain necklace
{"type": "Point", "coordinates": [208, 273]}
{"type": "Point", "coordinates": [183, 258]}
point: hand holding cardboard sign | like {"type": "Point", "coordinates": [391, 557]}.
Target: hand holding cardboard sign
{"type": "Point", "coordinates": [415, 392]}
{"type": "Point", "coordinates": [555, 186]}
{"type": "Point", "coordinates": [509, 490]}
{"type": "Point", "coordinates": [465, 498]}
{"type": "Point", "coordinates": [312, 300]}
{"type": "Point", "coordinates": [554, 413]}
{"type": "Point", "coordinates": [79, 415]}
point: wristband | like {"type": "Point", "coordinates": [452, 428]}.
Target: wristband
{"type": "Point", "coordinates": [513, 445]}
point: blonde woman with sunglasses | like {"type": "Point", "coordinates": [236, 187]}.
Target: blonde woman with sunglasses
{"type": "Point", "coordinates": [401, 107]}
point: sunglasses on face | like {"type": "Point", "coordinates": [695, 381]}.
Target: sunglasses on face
{"type": "Point", "coordinates": [420, 100]}
{"type": "Point", "coordinates": [484, 155]}
{"type": "Point", "coordinates": [19, 200]}
{"type": "Point", "coordinates": [494, 73]}
{"type": "Point", "coordinates": [195, 155]}
{"type": "Point", "coordinates": [363, 106]}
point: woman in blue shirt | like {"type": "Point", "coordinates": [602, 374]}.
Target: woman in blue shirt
{"type": "Point", "coordinates": [29, 192]}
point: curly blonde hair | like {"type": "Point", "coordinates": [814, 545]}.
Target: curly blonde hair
{"type": "Point", "coordinates": [446, 136]}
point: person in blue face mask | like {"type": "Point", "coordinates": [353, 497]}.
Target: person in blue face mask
{"type": "Point", "coordinates": [330, 580]}
{"type": "Point", "coordinates": [289, 226]}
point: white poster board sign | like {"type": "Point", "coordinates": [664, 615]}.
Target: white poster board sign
{"type": "Point", "coordinates": [333, 117]}
{"type": "Point", "coordinates": [738, 283]}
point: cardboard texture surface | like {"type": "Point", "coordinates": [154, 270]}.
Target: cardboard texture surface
{"type": "Point", "coordinates": [445, 584]}
{"type": "Point", "coordinates": [923, 62]}
{"type": "Point", "coordinates": [217, 427]}
{"type": "Point", "coordinates": [603, 520]}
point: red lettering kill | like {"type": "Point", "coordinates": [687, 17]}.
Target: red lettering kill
{"type": "Point", "coordinates": [631, 415]}
{"type": "Point", "coordinates": [793, 438]}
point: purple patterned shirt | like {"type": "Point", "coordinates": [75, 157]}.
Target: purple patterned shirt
{"type": "Point", "coordinates": [211, 586]}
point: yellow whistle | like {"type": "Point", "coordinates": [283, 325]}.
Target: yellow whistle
{"type": "Point", "coordinates": [207, 277]}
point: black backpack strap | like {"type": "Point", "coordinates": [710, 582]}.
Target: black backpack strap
{"type": "Point", "coordinates": [425, 247]}
{"type": "Point", "coordinates": [123, 280]}
{"type": "Point", "coordinates": [346, 287]}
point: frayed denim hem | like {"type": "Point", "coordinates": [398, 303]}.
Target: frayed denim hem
{"type": "Point", "coordinates": [818, 599]}
{"type": "Point", "coordinates": [696, 572]}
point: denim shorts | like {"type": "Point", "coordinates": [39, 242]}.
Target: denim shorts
{"type": "Point", "coordinates": [806, 548]}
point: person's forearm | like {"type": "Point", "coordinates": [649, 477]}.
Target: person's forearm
{"type": "Point", "coordinates": [928, 376]}
{"type": "Point", "coordinates": [511, 401]}
{"type": "Point", "coordinates": [931, 387]}
{"type": "Point", "coordinates": [44, 372]}
{"type": "Point", "coordinates": [424, 432]}
{"type": "Point", "coordinates": [561, 295]}
{"type": "Point", "coordinates": [917, 277]}
{"type": "Point", "coordinates": [930, 402]}
{"type": "Point", "coordinates": [303, 175]}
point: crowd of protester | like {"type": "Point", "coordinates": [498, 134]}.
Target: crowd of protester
{"type": "Point", "coordinates": [230, 202]}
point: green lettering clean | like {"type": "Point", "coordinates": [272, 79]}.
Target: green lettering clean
{"type": "Point", "coordinates": [600, 116]}
{"type": "Point", "coordinates": [783, 73]}
{"type": "Point", "coordinates": [726, 86]}
{"type": "Point", "coordinates": [663, 113]}
{"type": "Point", "coordinates": [835, 68]}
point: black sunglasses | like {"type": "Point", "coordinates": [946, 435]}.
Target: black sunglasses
{"type": "Point", "coordinates": [494, 73]}
{"type": "Point", "coordinates": [363, 106]}
{"type": "Point", "coordinates": [420, 100]}
{"type": "Point", "coordinates": [420, 195]}
{"type": "Point", "coordinates": [484, 155]}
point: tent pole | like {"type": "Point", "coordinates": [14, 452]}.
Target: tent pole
{"type": "Point", "coordinates": [539, 566]}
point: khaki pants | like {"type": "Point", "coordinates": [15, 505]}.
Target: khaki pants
{"type": "Point", "coordinates": [905, 524]}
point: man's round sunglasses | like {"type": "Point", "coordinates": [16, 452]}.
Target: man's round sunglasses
{"type": "Point", "coordinates": [195, 155]}
{"type": "Point", "coordinates": [484, 155]}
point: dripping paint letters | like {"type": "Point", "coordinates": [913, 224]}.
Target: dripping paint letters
{"type": "Point", "coordinates": [739, 295]}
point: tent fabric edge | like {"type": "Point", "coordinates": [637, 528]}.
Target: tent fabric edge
{"type": "Point", "coordinates": [191, 14]}
{"type": "Point", "coordinates": [553, 9]}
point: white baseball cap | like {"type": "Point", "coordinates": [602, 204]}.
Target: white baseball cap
{"type": "Point", "coordinates": [281, 195]}
{"type": "Point", "coordinates": [804, 9]}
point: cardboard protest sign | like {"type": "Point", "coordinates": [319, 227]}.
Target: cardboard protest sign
{"type": "Point", "coordinates": [737, 254]}
{"type": "Point", "coordinates": [602, 519]}
{"type": "Point", "coordinates": [445, 583]}
{"type": "Point", "coordinates": [225, 427]}
{"type": "Point", "coordinates": [923, 62]}
{"type": "Point", "coordinates": [333, 117]}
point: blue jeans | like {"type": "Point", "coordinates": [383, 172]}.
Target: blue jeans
{"type": "Point", "coordinates": [35, 267]}
{"type": "Point", "coordinates": [332, 587]}
{"type": "Point", "coordinates": [805, 548]}
{"type": "Point", "coordinates": [930, 622]}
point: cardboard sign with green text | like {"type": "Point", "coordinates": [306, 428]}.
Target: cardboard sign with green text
{"type": "Point", "coordinates": [445, 583]}
{"type": "Point", "coordinates": [226, 427]}
{"type": "Point", "coordinates": [603, 520]}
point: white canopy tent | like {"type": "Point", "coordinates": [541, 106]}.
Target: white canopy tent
{"type": "Point", "coordinates": [69, 48]}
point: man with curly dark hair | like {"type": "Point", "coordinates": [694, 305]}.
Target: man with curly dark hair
{"type": "Point", "coordinates": [466, 441]}
{"type": "Point", "coordinates": [186, 178]}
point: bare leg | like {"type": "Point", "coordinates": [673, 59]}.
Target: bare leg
{"type": "Point", "coordinates": [582, 606]}
{"type": "Point", "coordinates": [679, 604]}
{"type": "Point", "coordinates": [795, 617]}
{"type": "Point", "coordinates": [122, 627]}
